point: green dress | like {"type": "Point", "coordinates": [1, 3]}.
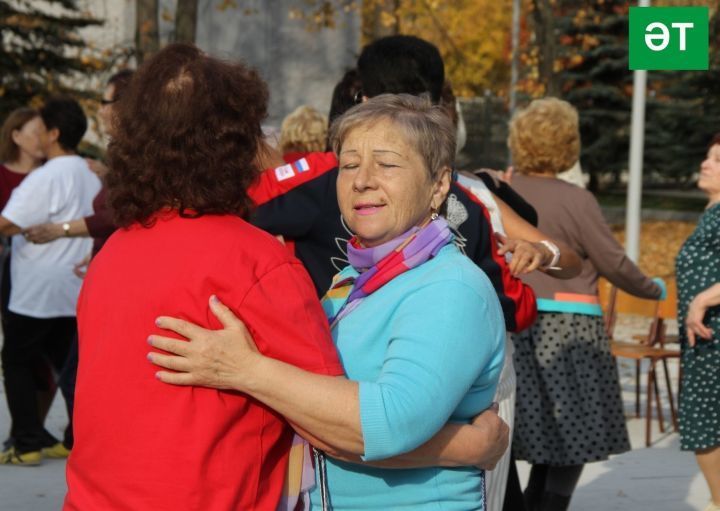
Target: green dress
{"type": "Point", "coordinates": [697, 267]}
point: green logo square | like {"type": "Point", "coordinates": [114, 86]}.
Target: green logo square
{"type": "Point", "coordinates": [669, 38]}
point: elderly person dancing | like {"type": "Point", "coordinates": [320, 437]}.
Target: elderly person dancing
{"type": "Point", "coordinates": [569, 408]}
{"type": "Point", "coordinates": [40, 319]}
{"type": "Point", "coordinates": [418, 326]}
{"type": "Point", "coordinates": [181, 203]}
{"type": "Point", "coordinates": [191, 184]}
{"type": "Point", "coordinates": [698, 280]}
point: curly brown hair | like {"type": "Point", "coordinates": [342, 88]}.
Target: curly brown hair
{"type": "Point", "coordinates": [188, 129]}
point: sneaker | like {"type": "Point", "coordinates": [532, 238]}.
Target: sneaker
{"type": "Point", "coordinates": [11, 457]}
{"type": "Point", "coordinates": [712, 507]}
{"type": "Point", "coordinates": [56, 451]}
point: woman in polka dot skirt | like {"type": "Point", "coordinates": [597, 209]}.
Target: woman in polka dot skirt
{"type": "Point", "coordinates": [569, 409]}
{"type": "Point", "coordinates": [698, 279]}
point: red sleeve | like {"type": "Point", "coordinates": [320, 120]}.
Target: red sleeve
{"type": "Point", "coordinates": [287, 322]}
{"type": "Point", "coordinates": [273, 183]}
{"type": "Point", "coordinates": [509, 288]}
{"type": "Point", "coordinates": [524, 298]}
{"type": "Point", "coordinates": [100, 224]}
{"type": "Point", "coordinates": [520, 293]}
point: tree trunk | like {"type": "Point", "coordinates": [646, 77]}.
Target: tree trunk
{"type": "Point", "coordinates": [545, 39]}
{"type": "Point", "coordinates": [186, 21]}
{"type": "Point", "coordinates": [375, 15]}
{"type": "Point", "coordinates": [147, 37]}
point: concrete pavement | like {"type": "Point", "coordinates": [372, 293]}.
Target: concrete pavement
{"type": "Point", "coordinates": [659, 478]}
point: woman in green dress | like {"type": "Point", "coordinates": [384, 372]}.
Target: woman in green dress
{"type": "Point", "coordinates": [698, 280]}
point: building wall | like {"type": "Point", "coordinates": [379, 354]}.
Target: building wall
{"type": "Point", "coordinates": [300, 66]}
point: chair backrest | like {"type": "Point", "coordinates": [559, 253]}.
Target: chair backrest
{"type": "Point", "coordinates": [616, 301]}
{"type": "Point", "coordinates": [668, 307]}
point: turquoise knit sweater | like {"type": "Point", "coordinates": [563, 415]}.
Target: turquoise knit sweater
{"type": "Point", "coordinates": [426, 348]}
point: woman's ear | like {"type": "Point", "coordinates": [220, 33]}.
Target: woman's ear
{"type": "Point", "coordinates": [53, 135]}
{"type": "Point", "coordinates": [441, 188]}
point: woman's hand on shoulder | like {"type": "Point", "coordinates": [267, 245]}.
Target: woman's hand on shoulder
{"type": "Point", "coordinates": [221, 359]}
{"type": "Point", "coordinates": [526, 256]}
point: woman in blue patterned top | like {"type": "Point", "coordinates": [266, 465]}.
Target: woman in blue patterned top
{"type": "Point", "coordinates": [698, 273]}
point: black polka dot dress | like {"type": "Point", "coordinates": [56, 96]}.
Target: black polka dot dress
{"type": "Point", "coordinates": [697, 267]}
{"type": "Point", "coordinates": [568, 408]}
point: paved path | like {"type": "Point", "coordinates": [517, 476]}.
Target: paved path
{"type": "Point", "coordinates": [660, 478]}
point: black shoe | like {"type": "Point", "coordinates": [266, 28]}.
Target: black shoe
{"type": "Point", "coordinates": [553, 502]}
{"type": "Point", "coordinates": [535, 488]}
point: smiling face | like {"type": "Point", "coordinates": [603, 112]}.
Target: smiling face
{"type": "Point", "coordinates": [29, 138]}
{"type": "Point", "coordinates": [384, 187]}
{"type": "Point", "coordinates": [709, 180]}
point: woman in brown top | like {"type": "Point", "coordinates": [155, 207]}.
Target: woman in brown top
{"type": "Point", "coordinates": [569, 409]}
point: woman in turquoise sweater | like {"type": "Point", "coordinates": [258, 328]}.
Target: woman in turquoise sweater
{"type": "Point", "coordinates": [418, 327]}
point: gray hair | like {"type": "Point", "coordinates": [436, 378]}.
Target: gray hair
{"type": "Point", "coordinates": [425, 126]}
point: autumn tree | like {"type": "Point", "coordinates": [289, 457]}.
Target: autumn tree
{"type": "Point", "coordinates": [147, 29]}
{"type": "Point", "coordinates": [43, 53]}
{"type": "Point", "coordinates": [543, 18]}
{"type": "Point", "coordinates": [594, 76]}
{"type": "Point", "coordinates": [147, 34]}
{"type": "Point", "coordinates": [186, 21]}
{"type": "Point", "coordinates": [683, 114]}
{"type": "Point", "coordinates": [473, 36]}
{"type": "Point", "coordinates": [591, 70]}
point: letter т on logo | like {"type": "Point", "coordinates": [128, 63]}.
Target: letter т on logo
{"type": "Point", "coordinates": [669, 38]}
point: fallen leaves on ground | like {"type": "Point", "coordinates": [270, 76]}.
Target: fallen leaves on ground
{"type": "Point", "coordinates": [659, 244]}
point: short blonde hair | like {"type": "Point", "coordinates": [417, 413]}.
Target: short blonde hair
{"type": "Point", "coordinates": [545, 137]}
{"type": "Point", "coordinates": [304, 130]}
{"type": "Point", "coordinates": [425, 126]}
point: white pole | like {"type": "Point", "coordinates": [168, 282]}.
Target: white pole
{"type": "Point", "coordinates": [637, 142]}
{"type": "Point", "coordinates": [515, 55]}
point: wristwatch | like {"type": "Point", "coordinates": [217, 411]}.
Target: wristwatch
{"type": "Point", "coordinates": [552, 247]}
{"type": "Point", "coordinates": [66, 228]}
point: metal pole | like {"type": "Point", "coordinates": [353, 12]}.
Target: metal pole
{"type": "Point", "coordinates": [515, 55]}
{"type": "Point", "coordinates": [515, 62]}
{"type": "Point", "coordinates": [637, 142]}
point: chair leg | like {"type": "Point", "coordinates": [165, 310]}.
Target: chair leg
{"type": "Point", "coordinates": [673, 413]}
{"type": "Point", "coordinates": [648, 406]}
{"type": "Point", "coordinates": [658, 404]}
{"type": "Point", "coordinates": [637, 388]}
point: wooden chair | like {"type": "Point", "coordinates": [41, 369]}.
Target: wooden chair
{"type": "Point", "coordinates": [667, 311]}
{"type": "Point", "coordinates": [651, 347]}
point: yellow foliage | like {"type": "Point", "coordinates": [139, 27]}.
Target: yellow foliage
{"type": "Point", "coordinates": [387, 19]}
{"type": "Point", "coordinates": [473, 37]}
{"type": "Point", "coordinates": [226, 4]}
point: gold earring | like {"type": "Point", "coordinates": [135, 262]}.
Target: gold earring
{"type": "Point", "coordinates": [434, 214]}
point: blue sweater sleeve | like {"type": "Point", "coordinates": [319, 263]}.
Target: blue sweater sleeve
{"type": "Point", "coordinates": [445, 337]}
